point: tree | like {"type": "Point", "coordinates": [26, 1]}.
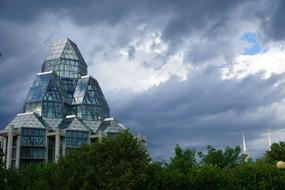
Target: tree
{"type": "Point", "coordinates": [119, 163]}
{"type": "Point", "coordinates": [3, 173]}
{"type": "Point", "coordinates": [180, 167]}
{"type": "Point", "coordinates": [33, 177]}
{"type": "Point", "coordinates": [184, 160]}
{"type": "Point", "coordinates": [257, 175]}
{"type": "Point", "coordinates": [276, 153]}
{"type": "Point", "coordinates": [230, 157]}
{"type": "Point", "coordinates": [210, 177]}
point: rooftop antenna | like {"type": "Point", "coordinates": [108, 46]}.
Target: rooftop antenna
{"type": "Point", "coordinates": [245, 153]}
{"type": "Point", "coordinates": [269, 140]}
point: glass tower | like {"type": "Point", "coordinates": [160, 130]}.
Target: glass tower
{"type": "Point", "coordinates": [64, 109]}
{"type": "Point", "coordinates": [64, 88]}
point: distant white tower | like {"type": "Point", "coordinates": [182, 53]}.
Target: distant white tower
{"type": "Point", "coordinates": [244, 148]}
{"type": "Point", "coordinates": [269, 140]}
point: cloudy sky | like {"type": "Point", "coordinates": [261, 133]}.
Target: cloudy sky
{"type": "Point", "coordinates": [180, 72]}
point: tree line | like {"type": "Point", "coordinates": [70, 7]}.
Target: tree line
{"type": "Point", "coordinates": [122, 163]}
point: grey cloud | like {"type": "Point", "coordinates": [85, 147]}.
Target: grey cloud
{"type": "Point", "coordinates": [131, 52]}
{"type": "Point", "coordinates": [202, 110]}
{"type": "Point", "coordinates": [82, 12]}
{"type": "Point", "coordinates": [22, 55]}
{"type": "Point", "coordinates": [214, 20]}
{"type": "Point", "coordinates": [184, 17]}
{"type": "Point", "coordinates": [274, 25]}
{"type": "Point", "coordinates": [192, 15]}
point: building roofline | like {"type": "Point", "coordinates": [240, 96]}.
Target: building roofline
{"type": "Point", "coordinates": [110, 119]}
{"type": "Point", "coordinates": [44, 73]}
{"type": "Point", "coordinates": [27, 113]}
{"type": "Point", "coordinates": [70, 116]}
{"type": "Point", "coordinates": [85, 76]}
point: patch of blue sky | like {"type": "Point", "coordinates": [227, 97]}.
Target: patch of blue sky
{"type": "Point", "coordinates": [255, 45]}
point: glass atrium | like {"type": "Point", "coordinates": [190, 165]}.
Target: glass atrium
{"type": "Point", "coordinates": [65, 108]}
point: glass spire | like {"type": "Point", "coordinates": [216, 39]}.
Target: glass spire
{"type": "Point", "coordinates": [65, 59]}
{"type": "Point", "coordinates": [63, 88]}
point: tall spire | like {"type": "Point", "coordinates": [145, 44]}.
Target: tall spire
{"type": "Point", "coordinates": [245, 153]}
{"type": "Point", "coordinates": [243, 143]}
{"type": "Point", "coordinates": [269, 140]}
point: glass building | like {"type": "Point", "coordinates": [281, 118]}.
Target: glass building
{"type": "Point", "coordinates": [64, 109]}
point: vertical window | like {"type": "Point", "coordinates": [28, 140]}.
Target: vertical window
{"type": "Point", "coordinates": [75, 139]}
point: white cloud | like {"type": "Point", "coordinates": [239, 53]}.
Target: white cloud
{"type": "Point", "coordinates": [270, 62]}
{"type": "Point", "coordinates": [133, 75]}
{"type": "Point", "coordinates": [149, 68]}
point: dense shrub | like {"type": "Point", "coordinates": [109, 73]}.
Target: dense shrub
{"type": "Point", "coordinates": [121, 163]}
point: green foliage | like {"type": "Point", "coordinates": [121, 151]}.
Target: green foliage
{"type": "Point", "coordinates": [33, 177]}
{"type": "Point", "coordinates": [277, 152]}
{"type": "Point", "coordinates": [184, 160]}
{"type": "Point", "coordinates": [108, 164]}
{"type": "Point", "coordinates": [258, 175]}
{"type": "Point", "coordinates": [121, 163]}
{"type": "Point", "coordinates": [230, 157]}
{"type": "Point", "coordinates": [210, 176]}
{"type": "Point", "coordinates": [3, 173]}
{"type": "Point", "coordinates": [177, 173]}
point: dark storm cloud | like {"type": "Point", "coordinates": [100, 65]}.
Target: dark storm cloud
{"type": "Point", "coordinates": [184, 16]}
{"type": "Point", "coordinates": [190, 16]}
{"type": "Point", "coordinates": [82, 12]}
{"type": "Point", "coordinates": [22, 55]}
{"type": "Point", "coordinates": [184, 12]}
{"type": "Point", "coordinates": [274, 25]}
{"type": "Point", "coordinates": [203, 109]}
